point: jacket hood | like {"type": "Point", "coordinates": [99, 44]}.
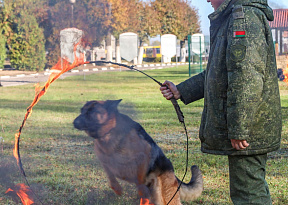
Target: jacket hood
{"type": "Point", "coordinates": [225, 8]}
{"type": "Point", "coordinates": [260, 4]}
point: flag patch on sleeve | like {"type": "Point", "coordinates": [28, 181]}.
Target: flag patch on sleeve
{"type": "Point", "coordinates": [239, 34]}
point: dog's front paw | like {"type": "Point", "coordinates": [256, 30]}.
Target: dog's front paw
{"type": "Point", "coordinates": [143, 191]}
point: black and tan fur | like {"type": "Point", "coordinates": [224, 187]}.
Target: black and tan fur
{"type": "Point", "coordinates": [127, 152]}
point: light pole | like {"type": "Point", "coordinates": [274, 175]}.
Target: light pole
{"type": "Point", "coordinates": [72, 6]}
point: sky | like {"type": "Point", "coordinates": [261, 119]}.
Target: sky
{"type": "Point", "coordinates": [204, 9]}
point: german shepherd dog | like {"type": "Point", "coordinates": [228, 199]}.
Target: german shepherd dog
{"type": "Point", "coordinates": [128, 153]}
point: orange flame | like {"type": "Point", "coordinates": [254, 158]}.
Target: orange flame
{"type": "Point", "coordinates": [21, 191]}
{"type": "Point", "coordinates": [61, 67]}
{"type": "Point", "coordinates": [285, 73]}
{"type": "Point", "coordinates": [144, 202]}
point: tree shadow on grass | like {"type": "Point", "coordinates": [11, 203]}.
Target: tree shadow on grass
{"type": "Point", "coordinates": [43, 105]}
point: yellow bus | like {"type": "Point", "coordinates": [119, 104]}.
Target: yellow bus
{"type": "Point", "coordinates": [152, 52]}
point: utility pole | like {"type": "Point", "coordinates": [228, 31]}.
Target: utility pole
{"type": "Point", "coordinates": [109, 56]}
{"type": "Point", "coordinates": [72, 9]}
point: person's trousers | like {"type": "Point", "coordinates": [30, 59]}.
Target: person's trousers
{"type": "Point", "coordinates": [247, 180]}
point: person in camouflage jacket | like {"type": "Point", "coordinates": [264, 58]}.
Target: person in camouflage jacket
{"type": "Point", "coordinates": [242, 110]}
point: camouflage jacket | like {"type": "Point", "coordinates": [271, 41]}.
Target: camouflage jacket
{"type": "Point", "coordinates": [240, 85]}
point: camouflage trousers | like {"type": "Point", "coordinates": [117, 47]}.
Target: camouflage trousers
{"type": "Point", "coordinates": [247, 180]}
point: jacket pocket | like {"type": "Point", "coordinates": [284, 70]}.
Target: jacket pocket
{"type": "Point", "coordinates": [220, 118]}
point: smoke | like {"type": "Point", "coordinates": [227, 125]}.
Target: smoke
{"type": "Point", "coordinates": [8, 171]}
{"type": "Point", "coordinates": [10, 176]}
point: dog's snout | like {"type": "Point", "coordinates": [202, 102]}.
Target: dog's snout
{"type": "Point", "coordinates": [78, 123]}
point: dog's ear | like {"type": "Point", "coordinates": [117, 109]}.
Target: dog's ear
{"type": "Point", "coordinates": [111, 105]}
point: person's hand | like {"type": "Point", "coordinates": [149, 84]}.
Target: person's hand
{"type": "Point", "coordinates": [239, 144]}
{"type": "Point", "coordinates": [171, 91]}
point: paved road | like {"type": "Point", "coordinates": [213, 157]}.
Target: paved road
{"type": "Point", "coordinates": [43, 77]}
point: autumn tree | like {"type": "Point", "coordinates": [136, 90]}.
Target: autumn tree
{"type": "Point", "coordinates": [148, 25]}
{"type": "Point", "coordinates": [190, 25]}
{"type": "Point", "coordinates": [177, 17]}
{"type": "Point", "coordinates": [148, 19]}
{"type": "Point", "coordinates": [98, 19]}
{"type": "Point", "coordinates": [121, 16]}
{"type": "Point", "coordinates": [102, 18]}
{"type": "Point", "coordinates": [132, 16]}
{"type": "Point", "coordinates": [88, 15]}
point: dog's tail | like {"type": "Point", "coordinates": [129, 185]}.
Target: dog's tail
{"type": "Point", "coordinates": [193, 189]}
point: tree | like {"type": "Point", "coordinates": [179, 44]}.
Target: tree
{"type": "Point", "coordinates": [189, 18]}
{"type": "Point", "coordinates": [156, 43]}
{"type": "Point", "coordinates": [177, 17]}
{"type": "Point", "coordinates": [25, 40]}
{"type": "Point", "coordinates": [148, 25]}
{"type": "Point", "coordinates": [2, 50]}
{"type": "Point", "coordinates": [118, 16]}
{"type": "Point", "coordinates": [100, 19]}
{"type": "Point", "coordinates": [97, 18]}
{"type": "Point", "coordinates": [89, 16]}
{"type": "Point", "coordinates": [190, 25]}
{"type": "Point", "coordinates": [132, 16]}
{"type": "Point", "coordinates": [121, 16]}
{"type": "Point", "coordinates": [27, 44]}
{"type": "Point", "coordinates": [5, 31]}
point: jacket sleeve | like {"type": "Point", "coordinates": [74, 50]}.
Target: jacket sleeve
{"type": "Point", "coordinates": [246, 63]}
{"type": "Point", "coordinates": [192, 89]}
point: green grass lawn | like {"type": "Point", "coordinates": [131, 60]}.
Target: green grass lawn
{"type": "Point", "coordinates": [59, 160]}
